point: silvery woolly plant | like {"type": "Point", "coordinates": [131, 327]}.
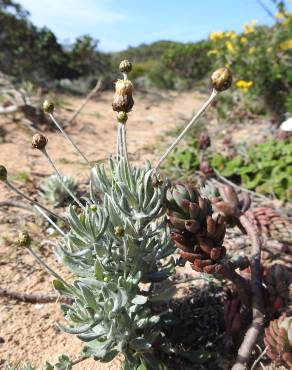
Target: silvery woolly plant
{"type": "Point", "coordinates": [54, 192]}
{"type": "Point", "coordinates": [118, 246]}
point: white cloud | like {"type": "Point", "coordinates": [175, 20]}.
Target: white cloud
{"type": "Point", "coordinates": [86, 11]}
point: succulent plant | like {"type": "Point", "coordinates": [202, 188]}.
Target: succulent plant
{"type": "Point", "coordinates": [278, 338]}
{"type": "Point", "coordinates": [278, 280]}
{"type": "Point", "coordinates": [204, 141]}
{"type": "Point", "coordinates": [54, 191]}
{"type": "Point", "coordinates": [232, 316]}
{"type": "Point", "coordinates": [196, 230]}
{"type": "Point", "coordinates": [205, 167]}
{"type": "Point", "coordinates": [271, 224]}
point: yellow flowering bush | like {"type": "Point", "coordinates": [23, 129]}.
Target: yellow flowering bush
{"type": "Point", "coordinates": [244, 85]}
{"type": "Point", "coordinates": [260, 58]}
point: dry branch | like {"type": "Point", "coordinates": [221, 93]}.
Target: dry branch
{"type": "Point", "coordinates": [32, 298]}
{"type": "Point", "coordinates": [86, 100]}
{"type": "Point", "coordinates": [14, 203]}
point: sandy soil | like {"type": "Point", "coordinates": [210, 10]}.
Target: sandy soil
{"type": "Point", "coordinates": [29, 332]}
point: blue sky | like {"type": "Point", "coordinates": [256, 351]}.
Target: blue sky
{"type": "Point", "coordinates": [122, 23]}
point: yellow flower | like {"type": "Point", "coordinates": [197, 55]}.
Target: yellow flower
{"type": "Point", "coordinates": [214, 36]}
{"type": "Point", "coordinates": [269, 50]}
{"type": "Point", "coordinates": [252, 50]}
{"type": "Point", "coordinates": [230, 47]}
{"type": "Point", "coordinates": [231, 35]}
{"type": "Point", "coordinates": [280, 15]}
{"type": "Point", "coordinates": [249, 28]}
{"type": "Point", "coordinates": [244, 85]}
{"type": "Point", "coordinates": [243, 40]}
{"type": "Point", "coordinates": [285, 45]}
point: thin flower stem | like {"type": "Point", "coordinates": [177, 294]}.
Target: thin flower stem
{"type": "Point", "coordinates": [186, 129]}
{"type": "Point", "coordinates": [119, 141]}
{"type": "Point", "coordinates": [61, 179]}
{"type": "Point", "coordinates": [50, 220]}
{"type": "Point", "coordinates": [68, 138]}
{"type": "Point", "coordinates": [47, 267]}
{"type": "Point", "coordinates": [124, 142]}
{"type": "Point", "coordinates": [34, 202]}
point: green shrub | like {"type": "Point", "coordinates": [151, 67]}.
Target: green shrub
{"type": "Point", "coordinates": [266, 168]}
{"type": "Point", "coordinates": [259, 58]}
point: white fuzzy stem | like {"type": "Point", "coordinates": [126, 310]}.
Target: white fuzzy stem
{"type": "Point", "coordinates": [61, 179]}
{"type": "Point", "coordinates": [68, 138]}
{"type": "Point", "coordinates": [18, 192]}
{"type": "Point", "coordinates": [50, 220]}
{"type": "Point", "coordinates": [186, 129]}
{"type": "Point", "coordinates": [47, 267]}
{"type": "Point", "coordinates": [124, 142]}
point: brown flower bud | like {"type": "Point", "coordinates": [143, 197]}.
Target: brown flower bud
{"type": "Point", "coordinates": [123, 100]}
{"type": "Point", "coordinates": [39, 141]}
{"type": "Point", "coordinates": [125, 66]}
{"type": "Point", "coordinates": [48, 106]}
{"type": "Point", "coordinates": [3, 173]}
{"type": "Point", "coordinates": [221, 79]}
{"type": "Point", "coordinates": [24, 240]}
{"type": "Point", "coordinates": [124, 87]}
{"type": "Point", "coordinates": [122, 117]}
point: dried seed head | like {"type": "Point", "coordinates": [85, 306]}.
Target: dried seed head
{"type": "Point", "coordinates": [119, 231]}
{"type": "Point", "coordinates": [124, 87]}
{"type": "Point", "coordinates": [125, 66]}
{"type": "Point", "coordinates": [122, 117]}
{"type": "Point", "coordinates": [123, 100]}
{"type": "Point", "coordinates": [39, 141]}
{"type": "Point", "coordinates": [3, 173]}
{"type": "Point", "coordinates": [48, 106]}
{"type": "Point", "coordinates": [122, 103]}
{"type": "Point", "coordinates": [221, 79]}
{"type": "Point", "coordinates": [24, 240]}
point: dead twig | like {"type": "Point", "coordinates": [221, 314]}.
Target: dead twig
{"type": "Point", "coordinates": [33, 298]}
{"type": "Point", "coordinates": [14, 203]}
{"type": "Point", "coordinates": [259, 358]}
{"type": "Point", "coordinates": [86, 100]}
{"type": "Point", "coordinates": [256, 326]}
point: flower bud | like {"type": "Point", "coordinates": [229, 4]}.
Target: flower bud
{"type": "Point", "coordinates": [125, 66]}
{"type": "Point", "coordinates": [24, 240]}
{"type": "Point", "coordinates": [93, 207]}
{"type": "Point", "coordinates": [122, 117]}
{"type": "Point", "coordinates": [123, 100]}
{"type": "Point", "coordinates": [48, 106]}
{"type": "Point", "coordinates": [39, 141]}
{"type": "Point", "coordinates": [3, 173]}
{"type": "Point", "coordinates": [124, 87]}
{"type": "Point", "coordinates": [119, 231]}
{"type": "Point", "coordinates": [221, 79]}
